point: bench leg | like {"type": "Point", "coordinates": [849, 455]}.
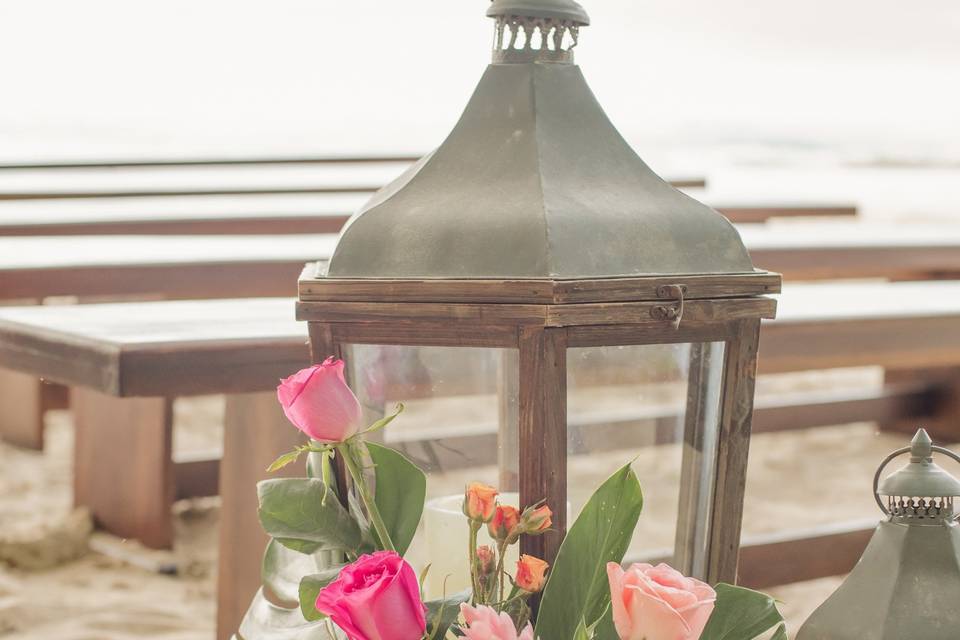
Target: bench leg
{"type": "Point", "coordinates": [255, 433]}
{"type": "Point", "coordinates": [943, 422]}
{"type": "Point", "coordinates": [21, 409]}
{"type": "Point", "coordinates": [123, 466]}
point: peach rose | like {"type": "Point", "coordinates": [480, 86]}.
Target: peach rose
{"type": "Point", "coordinates": [658, 603]}
{"type": "Point", "coordinates": [536, 519]}
{"type": "Point", "coordinates": [479, 501]}
{"type": "Point", "coordinates": [505, 523]}
{"type": "Point", "coordinates": [531, 573]}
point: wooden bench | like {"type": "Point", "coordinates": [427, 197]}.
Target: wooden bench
{"type": "Point", "coordinates": [127, 362]}
{"type": "Point", "coordinates": [240, 177]}
{"type": "Point", "coordinates": [260, 214]}
{"type": "Point", "coordinates": [204, 266]}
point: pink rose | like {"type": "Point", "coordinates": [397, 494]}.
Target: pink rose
{"type": "Point", "coordinates": [658, 603]}
{"type": "Point", "coordinates": [376, 598]}
{"type": "Point", "coordinates": [318, 401]}
{"type": "Point", "coordinates": [484, 623]}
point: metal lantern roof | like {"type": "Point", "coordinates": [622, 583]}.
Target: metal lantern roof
{"type": "Point", "coordinates": [534, 182]}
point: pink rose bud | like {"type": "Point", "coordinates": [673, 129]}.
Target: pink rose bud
{"type": "Point", "coordinates": [484, 623]}
{"type": "Point", "coordinates": [658, 602]}
{"type": "Point", "coordinates": [536, 520]}
{"type": "Point", "coordinates": [376, 598]}
{"type": "Point", "coordinates": [505, 524]}
{"type": "Point", "coordinates": [531, 573]}
{"type": "Point", "coordinates": [479, 502]}
{"type": "Point", "coordinates": [486, 561]}
{"type": "Point", "coordinates": [318, 401]}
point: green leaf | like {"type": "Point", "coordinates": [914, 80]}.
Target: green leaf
{"type": "Point", "coordinates": [295, 513]}
{"type": "Point", "coordinates": [742, 614]}
{"type": "Point", "coordinates": [310, 587]}
{"type": "Point", "coordinates": [400, 491]}
{"type": "Point", "coordinates": [382, 422]}
{"type": "Point", "coordinates": [267, 621]}
{"type": "Point", "coordinates": [284, 460]}
{"type": "Point", "coordinates": [442, 613]}
{"type": "Point", "coordinates": [605, 629]}
{"type": "Point", "coordinates": [282, 570]}
{"type": "Point", "coordinates": [581, 633]}
{"type": "Point", "coordinates": [578, 588]}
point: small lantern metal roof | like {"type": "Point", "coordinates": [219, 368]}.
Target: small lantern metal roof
{"type": "Point", "coordinates": [906, 585]}
{"type": "Point", "coordinates": [534, 182]}
{"type": "Point", "coordinates": [921, 477]}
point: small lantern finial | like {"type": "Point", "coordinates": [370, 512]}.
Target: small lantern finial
{"type": "Point", "coordinates": [536, 30]}
{"type": "Point", "coordinates": [921, 447]}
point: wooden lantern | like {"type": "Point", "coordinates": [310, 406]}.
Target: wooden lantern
{"type": "Point", "coordinates": [535, 230]}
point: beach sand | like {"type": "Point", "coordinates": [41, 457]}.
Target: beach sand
{"type": "Point", "coordinates": [117, 596]}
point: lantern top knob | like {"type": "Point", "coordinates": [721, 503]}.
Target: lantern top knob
{"type": "Point", "coordinates": [543, 9]}
{"type": "Point", "coordinates": [912, 489]}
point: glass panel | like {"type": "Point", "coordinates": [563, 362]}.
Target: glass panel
{"type": "Point", "coordinates": [659, 405]}
{"type": "Point", "coordinates": [459, 426]}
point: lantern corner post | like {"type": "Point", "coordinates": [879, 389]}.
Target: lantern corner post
{"type": "Point", "coordinates": [543, 431]}
{"type": "Point", "coordinates": [733, 445]}
{"type": "Point", "coordinates": [322, 343]}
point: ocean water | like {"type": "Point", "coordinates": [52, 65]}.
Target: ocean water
{"type": "Point", "coordinates": [687, 81]}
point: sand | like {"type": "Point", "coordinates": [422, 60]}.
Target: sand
{"type": "Point", "coordinates": [114, 591]}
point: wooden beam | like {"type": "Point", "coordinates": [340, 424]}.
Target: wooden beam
{"type": "Point", "coordinates": [21, 416]}
{"type": "Point", "coordinates": [123, 470]}
{"type": "Point", "coordinates": [733, 444]}
{"type": "Point", "coordinates": [197, 476]}
{"type": "Point", "coordinates": [795, 555]}
{"type": "Point", "coordinates": [543, 432]}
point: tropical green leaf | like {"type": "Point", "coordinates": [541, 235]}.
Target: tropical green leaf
{"type": "Point", "coordinates": [401, 488]}
{"type": "Point", "coordinates": [742, 614]}
{"type": "Point", "coordinates": [577, 588]}
{"type": "Point", "coordinates": [295, 512]}
{"type": "Point", "coordinates": [605, 629]}
{"type": "Point", "coordinates": [442, 613]}
{"type": "Point", "coordinates": [267, 621]}
{"type": "Point", "coordinates": [310, 587]}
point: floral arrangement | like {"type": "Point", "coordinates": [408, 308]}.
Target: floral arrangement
{"type": "Point", "coordinates": [335, 568]}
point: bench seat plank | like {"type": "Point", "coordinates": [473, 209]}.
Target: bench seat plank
{"type": "Point", "coordinates": [228, 266]}
{"type": "Point", "coordinates": [183, 347]}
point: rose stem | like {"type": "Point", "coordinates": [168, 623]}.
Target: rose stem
{"type": "Point", "coordinates": [366, 498]}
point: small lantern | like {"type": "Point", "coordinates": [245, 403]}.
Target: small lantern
{"type": "Point", "coordinates": [907, 584]}
{"type": "Point", "coordinates": [510, 279]}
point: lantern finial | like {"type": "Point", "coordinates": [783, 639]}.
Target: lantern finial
{"type": "Point", "coordinates": [921, 447]}
{"type": "Point", "coordinates": [536, 30]}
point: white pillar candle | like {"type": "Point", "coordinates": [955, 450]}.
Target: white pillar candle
{"type": "Point", "coordinates": [448, 538]}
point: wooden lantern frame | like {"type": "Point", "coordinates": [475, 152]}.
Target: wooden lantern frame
{"type": "Point", "coordinates": [541, 319]}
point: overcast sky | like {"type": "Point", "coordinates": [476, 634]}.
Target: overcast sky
{"type": "Point", "coordinates": [137, 77]}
